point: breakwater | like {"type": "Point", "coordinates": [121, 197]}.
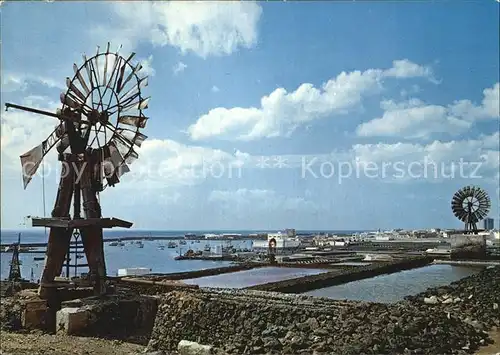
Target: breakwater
{"type": "Point", "coordinates": [342, 275]}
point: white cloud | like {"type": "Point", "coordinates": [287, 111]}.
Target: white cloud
{"type": "Point", "coordinates": [204, 28]}
{"type": "Point", "coordinates": [416, 119]}
{"type": "Point", "coordinates": [489, 108]}
{"type": "Point", "coordinates": [165, 163]}
{"type": "Point", "coordinates": [282, 112]}
{"type": "Point", "coordinates": [260, 199]}
{"type": "Point", "coordinates": [442, 158]}
{"type": "Point", "coordinates": [179, 68]}
{"type": "Point", "coordinates": [492, 142]}
{"type": "Point", "coordinates": [20, 81]}
{"type": "Point", "coordinates": [22, 130]}
{"type": "Point", "coordinates": [147, 68]}
{"type": "Point", "coordinates": [215, 89]}
{"type": "Point", "coordinates": [415, 89]}
{"type": "Point", "coordinates": [407, 69]}
{"type": "Point", "coordinates": [13, 83]}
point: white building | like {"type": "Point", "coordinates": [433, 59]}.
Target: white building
{"type": "Point", "coordinates": [281, 240]}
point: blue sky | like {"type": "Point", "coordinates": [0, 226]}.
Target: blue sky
{"type": "Point", "coordinates": [254, 103]}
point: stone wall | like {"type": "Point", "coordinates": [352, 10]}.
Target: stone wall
{"type": "Point", "coordinates": [468, 246]}
{"type": "Point", "coordinates": [255, 322]}
{"type": "Point", "coordinates": [116, 316]}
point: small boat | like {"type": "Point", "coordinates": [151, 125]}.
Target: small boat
{"type": "Point", "coordinates": [183, 242]}
{"type": "Point", "coordinates": [207, 248]}
{"type": "Point", "coordinates": [113, 244]}
{"type": "Point", "coordinates": [39, 258]}
{"type": "Point", "coordinates": [161, 247]}
{"type": "Point", "coordinates": [172, 245]}
{"type": "Point", "coordinates": [140, 244]}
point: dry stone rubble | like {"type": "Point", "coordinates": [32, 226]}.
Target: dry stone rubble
{"type": "Point", "coordinates": [255, 322]}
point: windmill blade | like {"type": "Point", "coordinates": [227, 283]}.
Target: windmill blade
{"type": "Point", "coordinates": [142, 104]}
{"type": "Point", "coordinates": [123, 146]}
{"type": "Point", "coordinates": [114, 71]}
{"type": "Point", "coordinates": [105, 66]}
{"type": "Point", "coordinates": [63, 144]}
{"type": "Point", "coordinates": [126, 150]}
{"type": "Point", "coordinates": [131, 74]}
{"type": "Point", "coordinates": [141, 84]}
{"type": "Point", "coordinates": [96, 71]}
{"type": "Point", "coordinates": [132, 137]}
{"type": "Point", "coordinates": [119, 86]}
{"type": "Point", "coordinates": [86, 64]}
{"type": "Point", "coordinates": [136, 121]}
{"type": "Point", "coordinates": [131, 157]}
{"type": "Point", "coordinates": [66, 100]}
{"type": "Point", "coordinates": [482, 195]}
{"type": "Point", "coordinates": [30, 161]}
{"type": "Point", "coordinates": [129, 101]}
{"type": "Point", "coordinates": [74, 89]}
{"type": "Point", "coordinates": [82, 82]}
{"type": "Point", "coordinates": [117, 160]}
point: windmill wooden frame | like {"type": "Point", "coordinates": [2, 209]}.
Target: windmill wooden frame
{"type": "Point", "coordinates": [98, 129]}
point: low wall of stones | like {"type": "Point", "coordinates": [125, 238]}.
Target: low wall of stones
{"type": "Point", "coordinates": [115, 317]}
{"type": "Point", "coordinates": [255, 322]}
{"type": "Point", "coordinates": [203, 273]}
{"type": "Point", "coordinates": [341, 276]}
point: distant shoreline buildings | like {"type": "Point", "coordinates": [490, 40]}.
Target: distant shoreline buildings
{"type": "Point", "coordinates": [489, 224]}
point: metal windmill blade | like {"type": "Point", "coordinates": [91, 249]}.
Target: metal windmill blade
{"type": "Point", "coordinates": [31, 160]}
{"type": "Point", "coordinates": [109, 84]}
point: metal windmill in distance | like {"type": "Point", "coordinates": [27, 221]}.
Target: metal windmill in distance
{"type": "Point", "coordinates": [470, 205]}
{"type": "Point", "coordinates": [99, 126]}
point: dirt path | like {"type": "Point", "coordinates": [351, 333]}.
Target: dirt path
{"type": "Point", "coordinates": [493, 349]}
{"type": "Point", "coordinates": [41, 344]}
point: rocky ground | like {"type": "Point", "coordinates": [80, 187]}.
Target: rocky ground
{"type": "Point", "coordinates": [461, 318]}
{"type": "Point", "coordinates": [45, 344]}
{"type": "Point", "coordinates": [446, 320]}
{"type": "Point", "coordinates": [475, 299]}
{"type": "Point", "coordinates": [284, 324]}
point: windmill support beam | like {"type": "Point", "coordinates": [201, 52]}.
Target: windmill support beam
{"type": "Point", "coordinates": [59, 238]}
{"type": "Point", "coordinates": [92, 237]}
{"type": "Point", "coordinates": [80, 223]}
